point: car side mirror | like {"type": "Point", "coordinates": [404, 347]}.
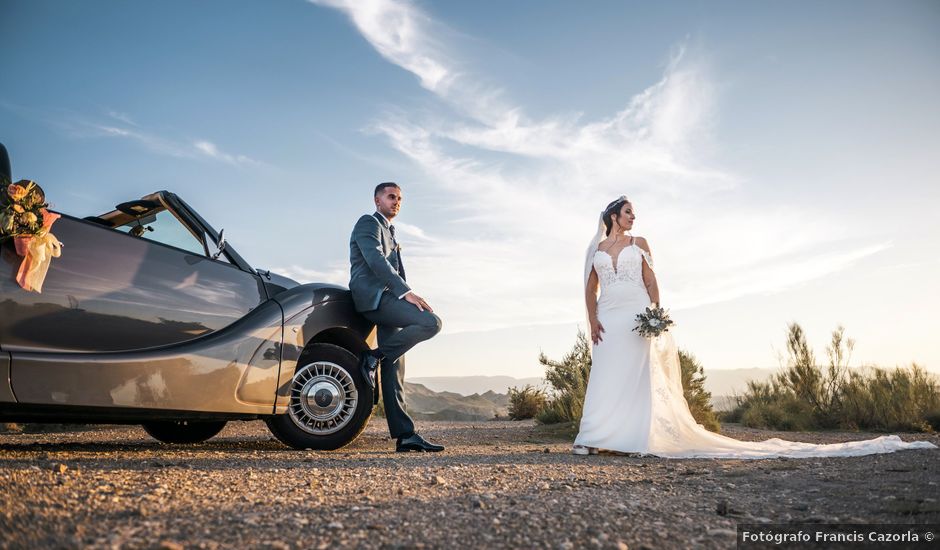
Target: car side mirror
{"type": "Point", "coordinates": [221, 245]}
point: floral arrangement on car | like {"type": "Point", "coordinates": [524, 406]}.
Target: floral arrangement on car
{"type": "Point", "coordinates": [24, 217]}
{"type": "Point", "coordinates": [653, 322]}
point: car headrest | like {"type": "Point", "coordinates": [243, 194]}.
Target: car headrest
{"type": "Point", "coordinates": [6, 173]}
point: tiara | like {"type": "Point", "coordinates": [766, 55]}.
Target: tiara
{"type": "Point", "coordinates": [621, 199]}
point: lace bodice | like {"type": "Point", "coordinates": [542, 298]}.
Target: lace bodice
{"type": "Point", "coordinates": [628, 268]}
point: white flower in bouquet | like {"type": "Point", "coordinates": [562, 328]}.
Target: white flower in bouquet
{"type": "Point", "coordinates": [653, 322]}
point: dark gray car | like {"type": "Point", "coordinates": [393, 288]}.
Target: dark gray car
{"type": "Point", "coordinates": [150, 318]}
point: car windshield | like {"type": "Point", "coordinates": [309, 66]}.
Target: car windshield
{"type": "Point", "coordinates": [164, 227]}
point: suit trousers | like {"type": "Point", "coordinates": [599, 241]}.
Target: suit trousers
{"type": "Point", "coordinates": [400, 326]}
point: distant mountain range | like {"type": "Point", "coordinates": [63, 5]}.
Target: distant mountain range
{"type": "Point", "coordinates": [469, 385]}
{"type": "Point", "coordinates": [426, 404]}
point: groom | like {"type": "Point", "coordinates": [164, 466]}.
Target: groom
{"type": "Point", "coordinates": [381, 295]}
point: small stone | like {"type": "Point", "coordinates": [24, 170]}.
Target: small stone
{"type": "Point", "coordinates": [722, 532]}
{"type": "Point", "coordinates": [546, 450]}
{"type": "Point", "coordinates": [334, 525]}
{"type": "Point", "coordinates": [763, 520]}
{"type": "Point", "coordinates": [544, 486]}
{"type": "Point", "coordinates": [60, 468]}
{"type": "Point", "coordinates": [170, 545]}
{"type": "Point", "coordinates": [437, 480]}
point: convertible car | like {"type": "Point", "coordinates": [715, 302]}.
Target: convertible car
{"type": "Point", "coordinates": [149, 317]}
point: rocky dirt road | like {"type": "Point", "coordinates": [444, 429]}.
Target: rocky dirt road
{"type": "Point", "coordinates": [499, 484]}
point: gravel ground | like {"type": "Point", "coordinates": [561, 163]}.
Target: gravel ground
{"type": "Point", "coordinates": [499, 484]}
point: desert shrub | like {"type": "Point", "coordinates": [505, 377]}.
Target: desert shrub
{"type": "Point", "coordinates": [806, 396]}
{"type": "Point", "coordinates": [784, 413]}
{"type": "Point", "coordinates": [568, 381]}
{"type": "Point", "coordinates": [526, 402]}
{"type": "Point", "coordinates": [895, 399]}
{"type": "Point", "coordinates": [933, 419]}
{"type": "Point", "coordinates": [693, 385]}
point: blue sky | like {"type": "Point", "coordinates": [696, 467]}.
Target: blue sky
{"type": "Point", "coordinates": [781, 157]}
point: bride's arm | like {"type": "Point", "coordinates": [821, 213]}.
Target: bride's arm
{"type": "Point", "coordinates": [590, 299]}
{"type": "Point", "coordinates": [649, 278]}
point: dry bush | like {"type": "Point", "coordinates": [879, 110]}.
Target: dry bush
{"type": "Point", "coordinates": [526, 402]}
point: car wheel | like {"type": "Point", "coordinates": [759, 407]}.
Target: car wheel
{"type": "Point", "coordinates": [183, 431]}
{"type": "Point", "coordinates": [330, 403]}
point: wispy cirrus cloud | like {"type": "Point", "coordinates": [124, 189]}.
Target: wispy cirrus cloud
{"type": "Point", "coordinates": [199, 148]}
{"type": "Point", "coordinates": [212, 151]}
{"type": "Point", "coordinates": [121, 126]}
{"type": "Point", "coordinates": [525, 192]}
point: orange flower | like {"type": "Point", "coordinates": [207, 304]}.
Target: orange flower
{"type": "Point", "coordinates": [18, 208]}
{"type": "Point", "coordinates": [16, 192]}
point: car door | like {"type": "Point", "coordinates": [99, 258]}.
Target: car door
{"type": "Point", "coordinates": [149, 284]}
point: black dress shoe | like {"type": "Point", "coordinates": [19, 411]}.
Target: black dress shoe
{"type": "Point", "coordinates": [368, 365]}
{"type": "Point", "coordinates": [415, 442]}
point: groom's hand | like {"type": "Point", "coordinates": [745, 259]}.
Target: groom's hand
{"type": "Point", "coordinates": [418, 301]}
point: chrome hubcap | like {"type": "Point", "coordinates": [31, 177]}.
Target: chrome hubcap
{"type": "Point", "coordinates": [323, 398]}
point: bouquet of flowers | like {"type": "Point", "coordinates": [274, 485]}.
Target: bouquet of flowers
{"type": "Point", "coordinates": [653, 322]}
{"type": "Point", "coordinates": [22, 209]}
{"type": "Point", "coordinates": [24, 218]}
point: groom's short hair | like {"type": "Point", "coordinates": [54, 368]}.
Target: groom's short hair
{"type": "Point", "coordinates": [383, 185]}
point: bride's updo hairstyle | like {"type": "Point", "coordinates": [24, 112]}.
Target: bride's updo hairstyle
{"type": "Point", "coordinates": [612, 210]}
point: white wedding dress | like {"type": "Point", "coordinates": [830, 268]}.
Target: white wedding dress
{"type": "Point", "coordinates": [635, 402]}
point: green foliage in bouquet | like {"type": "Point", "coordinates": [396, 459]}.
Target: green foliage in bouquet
{"type": "Point", "coordinates": [22, 205]}
{"type": "Point", "coordinates": [653, 322]}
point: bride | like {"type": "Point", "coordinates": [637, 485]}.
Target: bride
{"type": "Point", "coordinates": [634, 401]}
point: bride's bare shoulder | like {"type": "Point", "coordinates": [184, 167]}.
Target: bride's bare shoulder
{"type": "Point", "coordinates": [642, 243]}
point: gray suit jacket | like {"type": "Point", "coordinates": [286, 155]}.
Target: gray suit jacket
{"type": "Point", "coordinates": [373, 261]}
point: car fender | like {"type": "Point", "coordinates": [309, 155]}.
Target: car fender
{"type": "Point", "coordinates": [317, 313]}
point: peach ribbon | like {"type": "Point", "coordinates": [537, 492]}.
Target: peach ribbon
{"type": "Point", "coordinates": [37, 252]}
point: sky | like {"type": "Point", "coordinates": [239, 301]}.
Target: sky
{"type": "Point", "coordinates": [782, 158]}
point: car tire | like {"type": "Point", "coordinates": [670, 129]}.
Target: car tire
{"type": "Point", "coordinates": [330, 402]}
{"type": "Point", "coordinates": [183, 431]}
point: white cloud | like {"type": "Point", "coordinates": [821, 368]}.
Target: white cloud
{"type": "Point", "coordinates": [525, 193]}
{"type": "Point", "coordinates": [122, 117]}
{"type": "Point", "coordinates": [335, 274]}
{"type": "Point", "coordinates": [83, 127]}
{"type": "Point", "coordinates": [212, 151]}
{"type": "Point", "coordinates": [397, 31]}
